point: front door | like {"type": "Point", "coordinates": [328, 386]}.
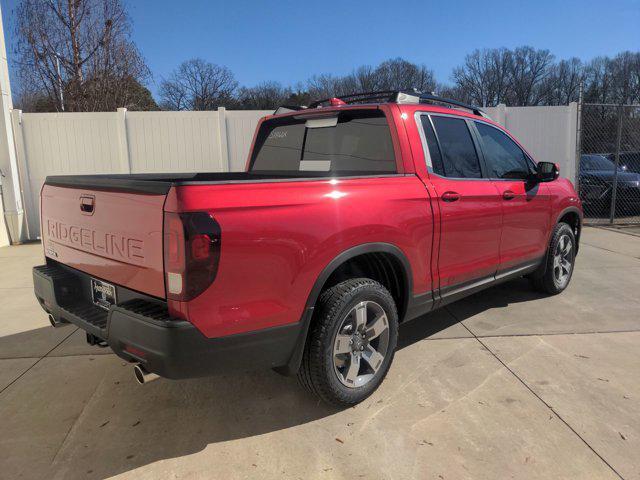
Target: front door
{"type": "Point", "coordinates": [525, 203]}
{"type": "Point", "coordinates": [470, 208]}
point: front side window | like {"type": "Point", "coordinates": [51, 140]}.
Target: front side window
{"type": "Point", "coordinates": [505, 159]}
{"type": "Point", "coordinates": [358, 142]}
{"type": "Point", "coordinates": [454, 153]}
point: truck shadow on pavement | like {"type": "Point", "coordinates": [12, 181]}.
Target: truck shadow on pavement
{"type": "Point", "coordinates": [436, 323]}
{"type": "Point", "coordinates": [120, 426]}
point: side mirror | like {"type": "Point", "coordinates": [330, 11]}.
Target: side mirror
{"type": "Point", "coordinates": [546, 172]}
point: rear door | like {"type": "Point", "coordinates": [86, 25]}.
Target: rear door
{"type": "Point", "coordinates": [470, 209]}
{"type": "Point", "coordinates": [525, 204]}
{"type": "Point", "coordinates": [115, 236]}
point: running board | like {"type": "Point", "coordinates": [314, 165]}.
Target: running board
{"type": "Point", "coordinates": [454, 293]}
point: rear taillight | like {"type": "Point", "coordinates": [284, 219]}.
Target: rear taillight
{"type": "Point", "coordinates": [191, 253]}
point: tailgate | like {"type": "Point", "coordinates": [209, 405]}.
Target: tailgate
{"type": "Point", "coordinates": [112, 235]}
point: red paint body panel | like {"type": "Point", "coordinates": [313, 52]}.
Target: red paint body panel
{"type": "Point", "coordinates": [469, 230]}
{"type": "Point", "coordinates": [562, 196]}
{"type": "Point", "coordinates": [121, 241]}
{"type": "Point", "coordinates": [526, 220]}
{"type": "Point", "coordinates": [278, 236]}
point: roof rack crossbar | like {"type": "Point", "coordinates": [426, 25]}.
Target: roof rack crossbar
{"type": "Point", "coordinates": [401, 96]}
{"type": "Point", "coordinates": [359, 97]}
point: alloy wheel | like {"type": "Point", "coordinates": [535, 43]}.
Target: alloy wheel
{"type": "Point", "coordinates": [563, 261]}
{"type": "Point", "coordinates": [361, 344]}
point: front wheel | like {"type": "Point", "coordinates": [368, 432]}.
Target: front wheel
{"type": "Point", "coordinates": [554, 276]}
{"type": "Point", "coordinates": [351, 343]}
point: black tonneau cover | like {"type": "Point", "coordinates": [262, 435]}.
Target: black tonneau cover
{"type": "Point", "coordinates": [160, 183]}
{"type": "Point", "coordinates": [156, 183]}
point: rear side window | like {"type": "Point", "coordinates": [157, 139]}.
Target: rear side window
{"type": "Point", "coordinates": [358, 142]}
{"type": "Point", "coordinates": [457, 151]}
{"type": "Point", "coordinates": [505, 159]}
{"type": "Point", "coordinates": [432, 144]}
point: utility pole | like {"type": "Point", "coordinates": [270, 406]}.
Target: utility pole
{"type": "Point", "coordinates": [60, 94]}
{"type": "Point", "coordinates": [614, 191]}
{"type": "Point", "coordinates": [9, 176]}
{"type": "Point", "coordinates": [579, 127]}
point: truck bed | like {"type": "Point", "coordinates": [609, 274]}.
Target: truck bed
{"type": "Point", "coordinates": [120, 238]}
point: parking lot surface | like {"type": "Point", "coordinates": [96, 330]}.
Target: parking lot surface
{"type": "Point", "coordinates": [505, 384]}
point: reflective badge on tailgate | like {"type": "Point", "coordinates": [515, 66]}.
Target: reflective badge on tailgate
{"type": "Point", "coordinates": [103, 293]}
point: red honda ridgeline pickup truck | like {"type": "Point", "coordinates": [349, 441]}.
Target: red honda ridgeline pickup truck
{"type": "Point", "coordinates": [353, 215]}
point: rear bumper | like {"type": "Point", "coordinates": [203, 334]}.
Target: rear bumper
{"type": "Point", "coordinates": [140, 330]}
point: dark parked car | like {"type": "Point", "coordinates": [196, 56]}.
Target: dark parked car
{"type": "Point", "coordinates": [629, 161]}
{"type": "Point", "coordinates": [597, 174]}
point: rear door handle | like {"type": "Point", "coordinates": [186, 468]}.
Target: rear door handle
{"type": "Point", "coordinates": [508, 195]}
{"type": "Point", "coordinates": [450, 196]}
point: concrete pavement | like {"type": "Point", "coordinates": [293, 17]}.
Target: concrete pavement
{"type": "Point", "coordinates": [505, 384]}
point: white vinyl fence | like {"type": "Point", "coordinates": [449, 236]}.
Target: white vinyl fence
{"type": "Point", "coordinates": [548, 133]}
{"type": "Point", "coordinates": [126, 142]}
{"type": "Point", "coordinates": [148, 142]}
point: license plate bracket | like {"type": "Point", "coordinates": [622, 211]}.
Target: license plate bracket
{"type": "Point", "coordinates": [103, 294]}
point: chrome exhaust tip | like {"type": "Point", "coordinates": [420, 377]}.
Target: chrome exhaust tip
{"type": "Point", "coordinates": [143, 376]}
{"type": "Point", "coordinates": [55, 323]}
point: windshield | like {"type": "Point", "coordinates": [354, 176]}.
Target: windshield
{"type": "Point", "coordinates": [597, 162]}
{"type": "Point", "coordinates": [355, 142]}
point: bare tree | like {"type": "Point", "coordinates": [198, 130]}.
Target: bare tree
{"type": "Point", "coordinates": [263, 96]}
{"type": "Point", "coordinates": [399, 74]}
{"type": "Point", "coordinates": [599, 81]}
{"type": "Point", "coordinates": [484, 77]}
{"type": "Point", "coordinates": [562, 85]}
{"type": "Point", "coordinates": [614, 80]}
{"type": "Point", "coordinates": [365, 79]}
{"type": "Point", "coordinates": [454, 92]}
{"type": "Point", "coordinates": [528, 71]}
{"type": "Point", "coordinates": [521, 77]}
{"type": "Point", "coordinates": [500, 60]}
{"type": "Point", "coordinates": [625, 71]}
{"type": "Point", "coordinates": [198, 85]}
{"type": "Point", "coordinates": [325, 86]}
{"type": "Point", "coordinates": [392, 74]}
{"type": "Point", "coordinates": [77, 55]}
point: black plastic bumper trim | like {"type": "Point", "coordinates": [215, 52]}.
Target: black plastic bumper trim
{"type": "Point", "coordinates": [141, 331]}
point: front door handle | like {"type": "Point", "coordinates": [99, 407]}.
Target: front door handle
{"type": "Point", "coordinates": [508, 195]}
{"type": "Point", "coordinates": [450, 196]}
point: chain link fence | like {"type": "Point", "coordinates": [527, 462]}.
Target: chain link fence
{"type": "Point", "coordinates": [608, 169]}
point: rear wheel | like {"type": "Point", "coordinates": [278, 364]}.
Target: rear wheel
{"type": "Point", "coordinates": [554, 276]}
{"type": "Point", "coordinates": [351, 343]}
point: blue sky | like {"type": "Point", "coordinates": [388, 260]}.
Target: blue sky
{"type": "Point", "coordinates": [289, 41]}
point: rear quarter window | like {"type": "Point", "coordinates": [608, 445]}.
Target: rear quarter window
{"type": "Point", "coordinates": [358, 142]}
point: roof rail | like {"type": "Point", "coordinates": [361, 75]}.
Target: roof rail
{"type": "Point", "coordinates": [400, 96]}
{"type": "Point", "coordinates": [426, 97]}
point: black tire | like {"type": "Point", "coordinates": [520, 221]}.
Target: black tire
{"type": "Point", "coordinates": [546, 279]}
{"type": "Point", "coordinates": [318, 374]}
